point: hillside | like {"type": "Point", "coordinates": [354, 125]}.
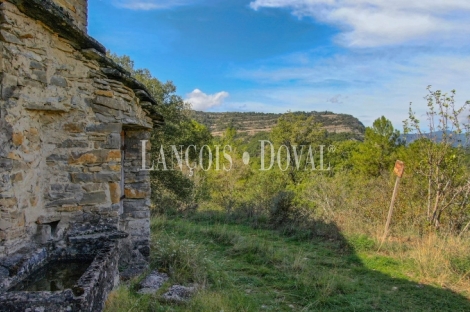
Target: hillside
{"type": "Point", "coordinates": [239, 267]}
{"type": "Point", "coordinates": [252, 123]}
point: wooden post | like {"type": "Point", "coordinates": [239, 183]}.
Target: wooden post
{"type": "Point", "coordinates": [398, 170]}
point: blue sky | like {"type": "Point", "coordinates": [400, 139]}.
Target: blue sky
{"type": "Point", "coordinates": [362, 57]}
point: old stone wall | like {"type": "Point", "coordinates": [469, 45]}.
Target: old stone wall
{"type": "Point", "coordinates": [77, 10]}
{"type": "Point", "coordinates": [62, 113]}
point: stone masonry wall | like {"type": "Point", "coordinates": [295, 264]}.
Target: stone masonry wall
{"type": "Point", "coordinates": [61, 118]}
{"type": "Point", "coordinates": [77, 10]}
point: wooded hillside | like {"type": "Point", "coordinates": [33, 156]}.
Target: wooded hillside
{"type": "Point", "coordinates": [252, 123]}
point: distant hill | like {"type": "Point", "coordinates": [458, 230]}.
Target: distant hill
{"type": "Point", "coordinates": [461, 139]}
{"type": "Point", "coordinates": [252, 123]}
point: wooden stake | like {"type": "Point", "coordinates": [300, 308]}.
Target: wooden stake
{"type": "Point", "coordinates": [398, 170]}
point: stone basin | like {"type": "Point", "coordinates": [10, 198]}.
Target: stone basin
{"type": "Point", "coordinates": [88, 293]}
{"type": "Point", "coordinates": [54, 276]}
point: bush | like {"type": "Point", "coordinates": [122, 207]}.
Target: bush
{"type": "Point", "coordinates": [183, 260]}
{"type": "Point", "coordinates": [281, 208]}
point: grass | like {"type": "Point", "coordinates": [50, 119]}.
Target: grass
{"type": "Point", "coordinates": [242, 268]}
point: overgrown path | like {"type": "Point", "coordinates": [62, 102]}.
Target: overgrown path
{"type": "Point", "coordinates": [248, 269]}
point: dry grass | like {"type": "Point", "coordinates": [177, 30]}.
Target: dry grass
{"type": "Point", "coordinates": [442, 261]}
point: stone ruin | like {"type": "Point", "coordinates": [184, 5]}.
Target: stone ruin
{"type": "Point", "coordinates": [71, 125]}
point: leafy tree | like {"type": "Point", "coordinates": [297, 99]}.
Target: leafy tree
{"type": "Point", "coordinates": [294, 130]}
{"type": "Point", "coordinates": [377, 154]}
{"type": "Point", "coordinates": [342, 159]}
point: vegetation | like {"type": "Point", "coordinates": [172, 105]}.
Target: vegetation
{"type": "Point", "coordinates": [250, 123]}
{"type": "Point", "coordinates": [297, 225]}
{"type": "Point", "coordinates": [249, 268]}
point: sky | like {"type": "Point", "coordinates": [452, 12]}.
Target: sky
{"type": "Point", "coordinates": [366, 58]}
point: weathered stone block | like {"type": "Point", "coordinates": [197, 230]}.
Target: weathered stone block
{"type": "Point", "coordinates": [50, 106]}
{"type": "Point", "coordinates": [140, 214]}
{"type": "Point", "coordinates": [39, 75]}
{"type": "Point", "coordinates": [106, 111]}
{"type": "Point", "coordinates": [36, 65]}
{"type": "Point", "coordinates": [134, 193]}
{"type": "Point", "coordinates": [94, 187]}
{"type": "Point", "coordinates": [106, 118]}
{"type": "Point", "coordinates": [47, 219]}
{"type": "Point", "coordinates": [81, 177]}
{"type": "Point", "coordinates": [57, 157]}
{"type": "Point", "coordinates": [57, 187]}
{"type": "Point", "coordinates": [115, 192]}
{"type": "Point", "coordinates": [73, 188]}
{"type": "Point", "coordinates": [136, 205]}
{"type": "Point", "coordinates": [111, 103]}
{"type": "Point", "coordinates": [114, 167]}
{"type": "Point", "coordinates": [105, 128]}
{"type": "Point", "coordinates": [8, 202]}
{"type": "Point", "coordinates": [91, 157]}
{"type": "Point", "coordinates": [6, 164]}
{"type": "Point", "coordinates": [93, 198]}
{"type": "Point", "coordinates": [59, 81]}
{"type": "Point", "coordinates": [114, 155]}
{"type": "Point", "coordinates": [18, 138]}
{"type": "Point", "coordinates": [69, 208]}
{"type": "Point", "coordinates": [76, 101]}
{"type": "Point", "coordinates": [139, 229]}
{"type": "Point", "coordinates": [9, 85]}
{"type": "Point", "coordinates": [103, 177]}
{"type": "Point", "coordinates": [62, 201]}
{"type": "Point", "coordinates": [9, 37]}
{"type": "Point", "coordinates": [106, 93]}
{"type": "Point", "coordinates": [14, 155]}
{"type": "Point", "coordinates": [17, 177]}
{"type": "Point", "coordinates": [113, 141]}
{"type": "Point", "coordinates": [73, 144]}
{"type": "Point", "coordinates": [101, 81]}
{"type": "Point", "coordinates": [74, 127]}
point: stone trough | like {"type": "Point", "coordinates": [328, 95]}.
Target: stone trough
{"type": "Point", "coordinates": [99, 251]}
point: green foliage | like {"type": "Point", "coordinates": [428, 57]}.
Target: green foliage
{"type": "Point", "coordinates": [257, 269]}
{"type": "Point", "coordinates": [438, 161]}
{"type": "Point", "coordinates": [342, 159]}
{"type": "Point", "coordinates": [294, 131]}
{"type": "Point", "coordinates": [377, 155]}
{"type": "Point", "coordinates": [183, 259]}
{"type": "Point", "coordinates": [281, 209]}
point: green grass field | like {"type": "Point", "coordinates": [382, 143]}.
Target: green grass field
{"type": "Point", "coordinates": [244, 268]}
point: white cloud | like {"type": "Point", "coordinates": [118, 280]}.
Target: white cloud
{"type": "Point", "coordinates": [146, 5]}
{"type": "Point", "coordinates": [369, 23]}
{"type": "Point", "coordinates": [201, 101]}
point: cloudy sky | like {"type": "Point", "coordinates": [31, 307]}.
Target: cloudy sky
{"type": "Point", "coordinates": [362, 57]}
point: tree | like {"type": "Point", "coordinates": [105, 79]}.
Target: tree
{"type": "Point", "coordinates": [294, 130]}
{"type": "Point", "coordinates": [376, 155]}
{"type": "Point", "coordinates": [439, 158]}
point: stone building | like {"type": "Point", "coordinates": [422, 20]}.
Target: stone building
{"type": "Point", "coordinates": [71, 125]}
